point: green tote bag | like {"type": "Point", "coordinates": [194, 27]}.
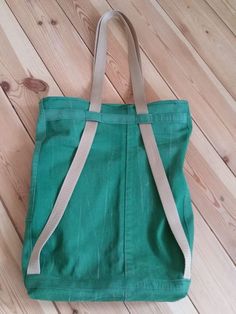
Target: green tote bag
{"type": "Point", "coordinates": [110, 215]}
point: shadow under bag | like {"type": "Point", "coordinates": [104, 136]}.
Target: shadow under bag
{"type": "Point", "coordinates": [110, 215]}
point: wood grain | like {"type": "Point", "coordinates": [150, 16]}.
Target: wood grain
{"type": "Point", "coordinates": [13, 297]}
{"type": "Point", "coordinates": [52, 41]}
{"type": "Point", "coordinates": [202, 28]}
{"type": "Point", "coordinates": [226, 10]}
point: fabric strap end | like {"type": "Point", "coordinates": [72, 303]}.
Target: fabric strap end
{"type": "Point", "coordinates": [34, 265]}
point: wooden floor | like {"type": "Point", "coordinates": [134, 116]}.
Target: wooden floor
{"type": "Point", "coordinates": [188, 51]}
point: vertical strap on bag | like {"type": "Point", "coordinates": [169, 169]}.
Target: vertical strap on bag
{"type": "Point", "coordinates": [88, 135]}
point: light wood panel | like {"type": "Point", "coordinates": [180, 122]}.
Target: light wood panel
{"type": "Point", "coordinates": [67, 57]}
{"type": "Point", "coordinates": [13, 297]}
{"type": "Point", "coordinates": [226, 10]}
{"type": "Point", "coordinates": [15, 163]}
{"type": "Point", "coordinates": [202, 28]}
{"type": "Point", "coordinates": [20, 61]}
{"type": "Point", "coordinates": [214, 273]}
{"type": "Point", "coordinates": [55, 43]}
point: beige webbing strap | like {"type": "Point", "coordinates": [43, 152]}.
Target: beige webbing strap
{"type": "Point", "coordinates": [88, 135]}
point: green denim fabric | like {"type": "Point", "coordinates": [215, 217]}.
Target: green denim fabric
{"type": "Point", "coordinates": [113, 241]}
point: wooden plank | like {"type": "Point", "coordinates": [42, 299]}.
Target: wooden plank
{"type": "Point", "coordinates": [179, 67]}
{"type": "Point", "coordinates": [19, 61]}
{"type": "Point", "coordinates": [208, 35]}
{"type": "Point", "coordinates": [14, 298]}
{"type": "Point", "coordinates": [67, 60]}
{"type": "Point", "coordinates": [213, 190]}
{"type": "Point", "coordinates": [214, 275]}
{"type": "Point", "coordinates": [15, 163]}
{"type": "Point", "coordinates": [229, 102]}
{"type": "Point", "coordinates": [226, 9]}
{"type": "Point", "coordinates": [183, 306]}
{"type": "Point", "coordinates": [95, 308]}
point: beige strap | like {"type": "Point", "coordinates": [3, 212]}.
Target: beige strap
{"type": "Point", "coordinates": [100, 63]}
{"type": "Point", "coordinates": [88, 135]}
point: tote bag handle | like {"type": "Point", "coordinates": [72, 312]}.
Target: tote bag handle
{"type": "Point", "coordinates": [87, 138]}
{"type": "Point", "coordinates": [100, 62]}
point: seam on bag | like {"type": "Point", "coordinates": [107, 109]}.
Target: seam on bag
{"type": "Point", "coordinates": [125, 196]}
{"type": "Point", "coordinates": [67, 279]}
{"type": "Point", "coordinates": [33, 181]}
{"type": "Point", "coordinates": [168, 284]}
{"type": "Point", "coordinates": [35, 163]}
{"type": "Point", "coordinates": [32, 207]}
{"type": "Point", "coordinates": [120, 118]}
{"type": "Point", "coordinates": [186, 198]}
{"type": "Point", "coordinates": [169, 170]}
{"type": "Point", "coordinates": [87, 101]}
{"type": "Point", "coordinates": [39, 143]}
{"type": "Point", "coordinates": [189, 121]}
{"type": "Point", "coordinates": [180, 286]}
